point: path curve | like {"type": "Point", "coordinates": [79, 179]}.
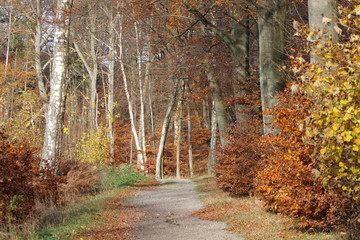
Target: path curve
{"type": "Point", "coordinates": [168, 210]}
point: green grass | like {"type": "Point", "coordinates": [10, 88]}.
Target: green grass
{"type": "Point", "coordinates": [118, 178]}
{"type": "Point", "coordinates": [75, 218]}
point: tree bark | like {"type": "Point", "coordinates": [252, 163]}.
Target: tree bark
{"type": "Point", "coordinates": [212, 154]}
{"type": "Point", "coordinates": [110, 105]}
{"type": "Point", "coordinates": [271, 23]}
{"type": "Point", "coordinates": [38, 66]}
{"type": "Point", "coordinates": [323, 19]}
{"type": "Point", "coordinates": [220, 109]}
{"type": "Point", "coordinates": [139, 153]}
{"type": "Point", "coordinates": [141, 92]}
{"type": "Point", "coordinates": [191, 168]}
{"type": "Point", "coordinates": [51, 153]}
{"type": "Point", "coordinates": [178, 135]}
{"type": "Point", "coordinates": [164, 130]}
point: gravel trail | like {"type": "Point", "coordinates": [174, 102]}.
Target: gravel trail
{"type": "Point", "coordinates": [168, 210]}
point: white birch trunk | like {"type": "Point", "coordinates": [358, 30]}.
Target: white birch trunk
{"type": "Point", "coordinates": [164, 130]}
{"type": "Point", "coordinates": [37, 45]}
{"type": "Point", "coordinates": [139, 153]}
{"type": "Point", "coordinates": [141, 91]}
{"type": "Point", "coordinates": [212, 152]}
{"type": "Point", "coordinates": [191, 169]}
{"type": "Point", "coordinates": [178, 134]}
{"type": "Point", "coordinates": [110, 105]}
{"type": "Point", "coordinates": [51, 154]}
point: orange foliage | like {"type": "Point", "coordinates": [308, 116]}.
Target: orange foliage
{"type": "Point", "coordinates": [17, 177]}
{"type": "Point", "coordinates": [239, 161]}
{"type": "Point", "coordinates": [289, 183]}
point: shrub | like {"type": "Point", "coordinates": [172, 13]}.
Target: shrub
{"type": "Point", "coordinates": [93, 147]}
{"type": "Point", "coordinates": [19, 170]}
{"type": "Point", "coordinates": [290, 182]}
{"type": "Point", "coordinates": [79, 180]}
{"type": "Point", "coordinates": [239, 161]}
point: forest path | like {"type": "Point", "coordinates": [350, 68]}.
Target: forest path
{"type": "Point", "coordinates": [168, 210]}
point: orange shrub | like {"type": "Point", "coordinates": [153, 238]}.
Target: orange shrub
{"type": "Point", "coordinates": [289, 182]}
{"type": "Point", "coordinates": [239, 161]}
{"type": "Point", "coordinates": [18, 171]}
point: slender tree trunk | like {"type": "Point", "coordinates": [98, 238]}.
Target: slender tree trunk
{"type": "Point", "coordinates": [164, 130]}
{"type": "Point", "coordinates": [38, 66]}
{"type": "Point", "coordinates": [191, 168]}
{"type": "Point", "coordinates": [51, 154]}
{"type": "Point", "coordinates": [152, 117]}
{"type": "Point", "coordinates": [141, 92]}
{"type": "Point", "coordinates": [139, 153]}
{"type": "Point", "coordinates": [110, 105]}
{"type": "Point", "coordinates": [179, 136]}
{"type": "Point", "coordinates": [93, 77]}
{"type": "Point", "coordinates": [8, 45]}
{"type": "Point", "coordinates": [212, 154]}
{"type": "Point", "coordinates": [271, 22]}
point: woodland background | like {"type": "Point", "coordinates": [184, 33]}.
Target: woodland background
{"type": "Point", "coordinates": [262, 94]}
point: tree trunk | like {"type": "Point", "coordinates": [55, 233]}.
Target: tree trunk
{"type": "Point", "coordinates": [139, 153]}
{"type": "Point", "coordinates": [271, 23]}
{"type": "Point", "coordinates": [164, 130]}
{"type": "Point", "coordinates": [38, 66]}
{"type": "Point", "coordinates": [110, 105]}
{"type": "Point", "coordinates": [220, 109]}
{"type": "Point", "coordinates": [51, 154]}
{"type": "Point", "coordinates": [189, 135]}
{"type": "Point", "coordinates": [240, 56]}
{"type": "Point", "coordinates": [141, 92]}
{"type": "Point", "coordinates": [178, 135]}
{"type": "Point", "coordinates": [322, 19]}
{"type": "Point", "coordinates": [212, 154]}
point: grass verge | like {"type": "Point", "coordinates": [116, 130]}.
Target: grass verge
{"type": "Point", "coordinates": [93, 217]}
{"type": "Point", "coordinates": [248, 217]}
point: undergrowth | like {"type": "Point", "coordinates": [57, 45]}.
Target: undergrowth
{"type": "Point", "coordinates": [80, 214]}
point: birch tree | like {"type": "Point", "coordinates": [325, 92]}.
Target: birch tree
{"type": "Point", "coordinates": [164, 130]}
{"type": "Point", "coordinates": [37, 44]}
{"type": "Point", "coordinates": [90, 60]}
{"type": "Point", "coordinates": [51, 153]}
{"type": "Point", "coordinates": [139, 153]}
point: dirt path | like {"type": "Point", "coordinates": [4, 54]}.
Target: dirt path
{"type": "Point", "coordinates": [168, 210]}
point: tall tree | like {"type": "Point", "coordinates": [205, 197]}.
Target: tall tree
{"type": "Point", "coordinates": [51, 153]}
{"type": "Point", "coordinates": [271, 24]}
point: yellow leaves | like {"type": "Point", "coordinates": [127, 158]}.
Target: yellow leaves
{"type": "Point", "coordinates": [344, 102]}
{"type": "Point", "coordinates": [336, 111]}
{"type": "Point", "coordinates": [355, 148]}
{"type": "Point", "coordinates": [323, 151]}
{"type": "Point", "coordinates": [348, 137]}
